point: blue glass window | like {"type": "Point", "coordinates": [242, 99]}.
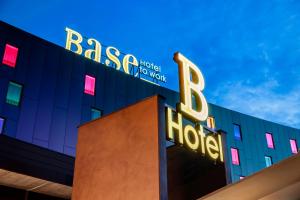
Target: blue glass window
{"type": "Point", "coordinates": [1, 124]}
{"type": "Point", "coordinates": [268, 160]}
{"type": "Point", "coordinates": [13, 95]}
{"type": "Point", "coordinates": [95, 113]}
{"type": "Point", "coordinates": [237, 132]}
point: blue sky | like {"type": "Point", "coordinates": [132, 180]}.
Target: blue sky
{"type": "Point", "coordinates": [248, 50]}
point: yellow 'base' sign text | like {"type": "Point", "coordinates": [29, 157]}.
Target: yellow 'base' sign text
{"type": "Point", "coordinates": [129, 64]}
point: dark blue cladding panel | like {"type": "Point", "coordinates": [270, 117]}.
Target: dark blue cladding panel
{"type": "Point", "coordinates": [120, 95]}
{"type": "Point", "coordinates": [85, 114]}
{"type": "Point", "coordinates": [109, 86]}
{"type": "Point", "coordinates": [63, 80]}
{"type": "Point", "coordinates": [74, 113]}
{"type": "Point", "coordinates": [20, 70]}
{"type": "Point", "coordinates": [78, 69]}
{"type": "Point", "coordinates": [69, 150]}
{"type": "Point", "coordinates": [34, 72]}
{"type": "Point", "coordinates": [253, 146]}
{"type": "Point", "coordinates": [11, 111]}
{"type": "Point", "coordinates": [100, 89]}
{"type": "Point", "coordinates": [46, 97]}
{"type": "Point", "coordinates": [10, 127]}
{"type": "Point", "coordinates": [3, 90]}
{"type": "Point", "coordinates": [41, 143]}
{"type": "Point", "coordinates": [27, 119]}
{"type": "Point", "coordinates": [131, 93]}
{"type": "Point", "coordinates": [58, 129]}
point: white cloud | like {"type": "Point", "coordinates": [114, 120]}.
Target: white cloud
{"type": "Point", "coordinates": [261, 101]}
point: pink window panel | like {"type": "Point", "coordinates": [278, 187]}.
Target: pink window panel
{"type": "Point", "coordinates": [10, 55]}
{"type": "Point", "coordinates": [89, 87]}
{"type": "Point", "coordinates": [294, 146]}
{"type": "Point", "coordinates": [270, 142]}
{"type": "Point", "coordinates": [235, 156]}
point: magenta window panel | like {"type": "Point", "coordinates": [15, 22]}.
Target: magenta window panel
{"type": "Point", "coordinates": [270, 142]}
{"type": "Point", "coordinates": [235, 156]}
{"type": "Point", "coordinates": [89, 87]}
{"type": "Point", "coordinates": [294, 146]}
{"type": "Point", "coordinates": [10, 55]}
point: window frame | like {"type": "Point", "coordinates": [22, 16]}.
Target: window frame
{"type": "Point", "coordinates": [272, 144]}
{"type": "Point", "coordinates": [3, 125]}
{"type": "Point", "coordinates": [296, 146]}
{"type": "Point", "coordinates": [271, 161]}
{"type": "Point", "coordinates": [235, 162]}
{"type": "Point", "coordinates": [8, 62]}
{"type": "Point", "coordinates": [100, 110]}
{"type": "Point", "coordinates": [87, 90]}
{"type": "Point", "coordinates": [240, 138]}
{"type": "Point", "coordinates": [11, 102]}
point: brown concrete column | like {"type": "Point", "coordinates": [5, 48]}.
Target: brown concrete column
{"type": "Point", "coordinates": [123, 155]}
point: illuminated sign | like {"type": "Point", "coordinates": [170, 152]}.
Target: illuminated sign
{"type": "Point", "coordinates": [193, 106]}
{"type": "Point", "coordinates": [151, 70]}
{"type": "Point", "coordinates": [129, 64]}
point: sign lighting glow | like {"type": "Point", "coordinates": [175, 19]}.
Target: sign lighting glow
{"type": "Point", "coordinates": [129, 64]}
{"type": "Point", "coordinates": [193, 106]}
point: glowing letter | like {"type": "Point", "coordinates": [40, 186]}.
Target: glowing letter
{"type": "Point", "coordinates": [202, 138]}
{"type": "Point", "coordinates": [126, 62]}
{"type": "Point", "coordinates": [191, 85]}
{"type": "Point", "coordinates": [189, 130]}
{"type": "Point", "coordinates": [113, 57]}
{"type": "Point", "coordinates": [71, 40]}
{"type": "Point", "coordinates": [221, 148]}
{"type": "Point", "coordinates": [96, 50]}
{"type": "Point", "coordinates": [211, 144]}
{"type": "Point", "coordinates": [171, 125]}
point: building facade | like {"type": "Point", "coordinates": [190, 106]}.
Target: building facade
{"type": "Point", "coordinates": [46, 92]}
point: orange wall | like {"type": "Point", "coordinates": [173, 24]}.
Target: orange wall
{"type": "Point", "coordinates": [118, 156]}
